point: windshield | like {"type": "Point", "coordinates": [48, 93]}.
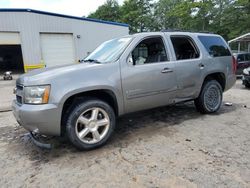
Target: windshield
{"type": "Point", "coordinates": [109, 50]}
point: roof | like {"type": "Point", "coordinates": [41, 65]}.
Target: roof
{"type": "Point", "coordinates": [63, 16]}
{"type": "Point", "coordinates": [185, 31]}
{"type": "Point", "coordinates": [177, 33]}
{"type": "Point", "coordinates": [245, 37]}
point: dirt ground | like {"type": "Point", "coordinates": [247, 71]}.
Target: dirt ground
{"type": "Point", "coordinates": [6, 92]}
{"type": "Point", "coordinates": [165, 147]}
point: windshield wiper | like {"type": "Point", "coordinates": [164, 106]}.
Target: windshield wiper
{"type": "Point", "coordinates": [92, 60]}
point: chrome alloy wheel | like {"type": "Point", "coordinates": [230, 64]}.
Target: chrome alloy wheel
{"type": "Point", "coordinates": [92, 125]}
{"type": "Point", "coordinates": [212, 98]}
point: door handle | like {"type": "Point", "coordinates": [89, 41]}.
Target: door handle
{"type": "Point", "coordinates": [201, 66]}
{"type": "Point", "coordinates": [166, 70]}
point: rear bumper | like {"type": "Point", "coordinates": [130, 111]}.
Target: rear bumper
{"type": "Point", "coordinates": [44, 119]}
{"type": "Point", "coordinates": [231, 80]}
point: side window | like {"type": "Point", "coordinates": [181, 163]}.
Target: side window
{"type": "Point", "coordinates": [247, 57]}
{"type": "Point", "coordinates": [240, 58]}
{"type": "Point", "coordinates": [215, 46]}
{"type": "Point", "coordinates": [184, 48]}
{"type": "Point", "coordinates": [151, 50]}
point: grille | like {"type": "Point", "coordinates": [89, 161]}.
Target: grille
{"type": "Point", "coordinates": [19, 94]}
{"type": "Point", "coordinates": [19, 87]}
{"type": "Point", "coordinates": [19, 99]}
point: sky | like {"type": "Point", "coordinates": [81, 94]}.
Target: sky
{"type": "Point", "coordinates": [68, 7]}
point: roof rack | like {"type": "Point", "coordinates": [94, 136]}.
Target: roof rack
{"type": "Point", "coordinates": [180, 30]}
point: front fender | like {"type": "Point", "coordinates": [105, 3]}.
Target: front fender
{"type": "Point", "coordinates": [117, 94]}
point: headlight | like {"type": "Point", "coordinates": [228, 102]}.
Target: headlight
{"type": "Point", "coordinates": [245, 71]}
{"type": "Point", "coordinates": [36, 94]}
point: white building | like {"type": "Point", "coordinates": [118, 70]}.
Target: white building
{"type": "Point", "coordinates": [32, 39]}
{"type": "Point", "coordinates": [241, 43]}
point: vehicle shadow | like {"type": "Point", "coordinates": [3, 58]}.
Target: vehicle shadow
{"type": "Point", "coordinates": [158, 118]}
{"type": "Point", "coordinates": [145, 124]}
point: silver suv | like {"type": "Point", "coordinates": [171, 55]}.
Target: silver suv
{"type": "Point", "coordinates": [121, 76]}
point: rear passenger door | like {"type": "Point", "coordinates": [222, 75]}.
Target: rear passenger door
{"type": "Point", "coordinates": [188, 66]}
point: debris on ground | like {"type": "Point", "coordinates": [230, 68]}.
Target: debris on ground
{"type": "Point", "coordinates": [228, 104]}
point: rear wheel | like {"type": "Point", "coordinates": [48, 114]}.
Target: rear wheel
{"type": "Point", "coordinates": [210, 98]}
{"type": "Point", "coordinates": [90, 124]}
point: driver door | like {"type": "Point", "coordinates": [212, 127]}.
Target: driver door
{"type": "Point", "coordinates": [148, 77]}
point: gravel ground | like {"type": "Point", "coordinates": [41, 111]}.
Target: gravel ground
{"type": "Point", "coordinates": [6, 92]}
{"type": "Point", "coordinates": [165, 147]}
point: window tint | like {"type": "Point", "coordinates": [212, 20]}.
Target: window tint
{"type": "Point", "coordinates": [184, 48]}
{"type": "Point", "coordinates": [151, 50]}
{"type": "Point", "coordinates": [215, 46]}
{"type": "Point", "coordinates": [247, 57]}
{"type": "Point", "coordinates": [240, 58]}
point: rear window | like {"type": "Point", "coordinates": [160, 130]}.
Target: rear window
{"type": "Point", "coordinates": [215, 46]}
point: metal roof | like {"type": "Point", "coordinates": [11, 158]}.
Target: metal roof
{"type": "Point", "coordinates": [241, 38]}
{"type": "Point", "coordinates": [63, 16]}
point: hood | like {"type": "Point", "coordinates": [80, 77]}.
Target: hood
{"type": "Point", "coordinates": [44, 75]}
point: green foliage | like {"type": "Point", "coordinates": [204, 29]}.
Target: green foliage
{"type": "Point", "coordinates": [228, 18]}
{"type": "Point", "coordinates": [109, 11]}
{"type": "Point", "coordinates": [138, 14]}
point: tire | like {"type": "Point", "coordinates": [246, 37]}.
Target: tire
{"type": "Point", "coordinates": [247, 85]}
{"type": "Point", "coordinates": [90, 123]}
{"type": "Point", "coordinates": [210, 98]}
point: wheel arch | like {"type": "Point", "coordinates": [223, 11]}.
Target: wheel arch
{"type": "Point", "coordinates": [105, 95]}
{"type": "Point", "coordinates": [218, 76]}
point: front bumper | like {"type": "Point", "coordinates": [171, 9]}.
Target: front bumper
{"type": "Point", "coordinates": [38, 143]}
{"type": "Point", "coordinates": [43, 119]}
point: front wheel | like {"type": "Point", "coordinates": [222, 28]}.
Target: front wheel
{"type": "Point", "coordinates": [210, 98]}
{"type": "Point", "coordinates": [90, 124]}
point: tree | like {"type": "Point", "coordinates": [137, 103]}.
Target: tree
{"type": "Point", "coordinates": [163, 14]}
{"type": "Point", "coordinates": [229, 18]}
{"type": "Point", "coordinates": [109, 11]}
{"type": "Point", "coordinates": [138, 14]}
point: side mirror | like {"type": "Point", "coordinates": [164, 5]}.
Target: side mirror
{"type": "Point", "coordinates": [211, 53]}
{"type": "Point", "coordinates": [130, 60]}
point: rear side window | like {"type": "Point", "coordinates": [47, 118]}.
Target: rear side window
{"type": "Point", "coordinates": [184, 48]}
{"type": "Point", "coordinates": [215, 46]}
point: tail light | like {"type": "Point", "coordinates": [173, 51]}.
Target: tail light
{"type": "Point", "coordinates": [234, 64]}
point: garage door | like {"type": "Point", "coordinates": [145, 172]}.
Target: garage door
{"type": "Point", "coordinates": [57, 49]}
{"type": "Point", "coordinates": [9, 38]}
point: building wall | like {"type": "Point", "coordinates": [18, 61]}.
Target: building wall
{"type": "Point", "coordinates": [30, 25]}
